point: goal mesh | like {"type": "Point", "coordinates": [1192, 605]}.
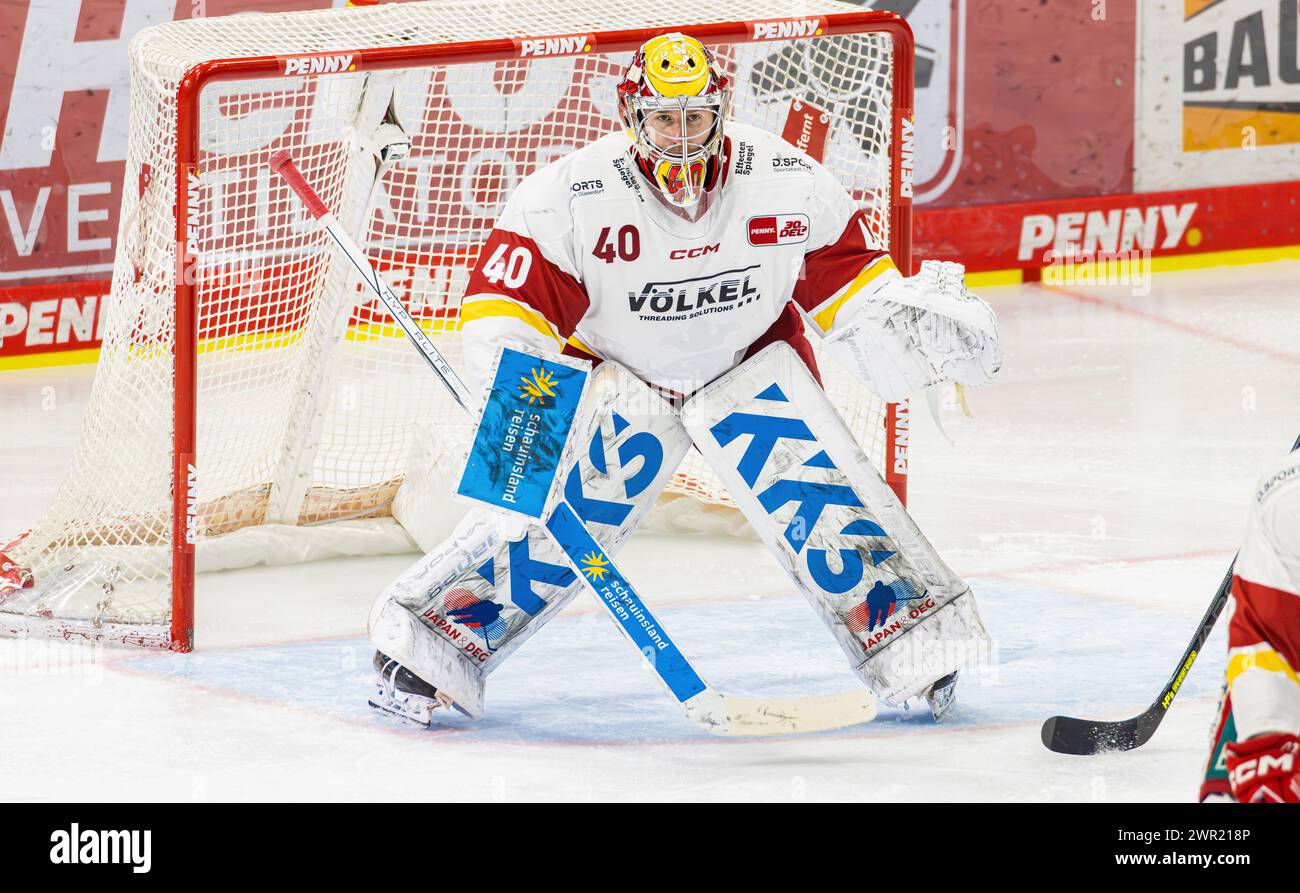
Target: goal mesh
{"type": "Point", "coordinates": [306, 398]}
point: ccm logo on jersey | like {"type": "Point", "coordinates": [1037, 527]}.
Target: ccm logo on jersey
{"type": "Point", "coordinates": [787, 28]}
{"type": "Point", "coordinates": [563, 45]}
{"type": "Point", "coordinates": [319, 64]}
{"type": "Point", "coordinates": [778, 229]}
{"type": "Point", "coordinates": [701, 251]}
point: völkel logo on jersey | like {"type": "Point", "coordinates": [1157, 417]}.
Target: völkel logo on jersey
{"type": "Point", "coordinates": [778, 229]}
{"type": "Point", "coordinates": [688, 298]}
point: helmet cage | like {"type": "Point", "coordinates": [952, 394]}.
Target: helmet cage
{"type": "Point", "coordinates": [680, 165]}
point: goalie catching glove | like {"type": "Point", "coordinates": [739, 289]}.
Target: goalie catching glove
{"type": "Point", "coordinates": [917, 332]}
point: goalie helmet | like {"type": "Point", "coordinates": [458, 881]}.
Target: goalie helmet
{"type": "Point", "coordinates": [672, 101]}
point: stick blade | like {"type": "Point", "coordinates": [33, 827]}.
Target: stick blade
{"type": "Point", "coordinates": [1084, 737]}
{"type": "Point", "coordinates": [760, 717]}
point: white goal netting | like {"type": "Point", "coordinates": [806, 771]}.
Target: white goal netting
{"type": "Point", "coordinates": [305, 398]}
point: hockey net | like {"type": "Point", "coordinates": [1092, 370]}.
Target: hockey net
{"type": "Point", "coordinates": [248, 384]}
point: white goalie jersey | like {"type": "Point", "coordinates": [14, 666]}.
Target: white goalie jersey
{"type": "Point", "coordinates": [586, 259]}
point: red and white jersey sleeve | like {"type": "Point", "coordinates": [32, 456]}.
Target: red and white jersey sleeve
{"type": "Point", "coordinates": [525, 287]}
{"type": "Point", "coordinates": [1264, 612]}
{"type": "Point", "coordinates": [844, 264]}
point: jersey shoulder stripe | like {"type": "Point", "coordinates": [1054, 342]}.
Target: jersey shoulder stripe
{"type": "Point", "coordinates": [515, 268]}
{"type": "Point", "coordinates": [836, 273]}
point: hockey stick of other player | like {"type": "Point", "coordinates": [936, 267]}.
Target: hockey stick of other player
{"type": "Point", "coordinates": [1068, 734]}
{"type": "Point", "coordinates": [711, 710]}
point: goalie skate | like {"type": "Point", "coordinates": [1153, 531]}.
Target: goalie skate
{"type": "Point", "coordinates": [401, 693]}
{"type": "Point", "coordinates": [942, 695]}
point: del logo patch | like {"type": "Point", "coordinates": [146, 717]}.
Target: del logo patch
{"type": "Point", "coordinates": [516, 452]}
{"type": "Point", "coordinates": [778, 229]}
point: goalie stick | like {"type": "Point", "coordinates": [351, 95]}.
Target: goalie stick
{"type": "Point", "coordinates": [1084, 737]}
{"type": "Point", "coordinates": [708, 708]}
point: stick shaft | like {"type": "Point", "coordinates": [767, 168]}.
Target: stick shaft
{"type": "Point", "coordinates": [283, 165]}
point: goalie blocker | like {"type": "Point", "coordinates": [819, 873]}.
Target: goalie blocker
{"type": "Point", "coordinates": [904, 619]}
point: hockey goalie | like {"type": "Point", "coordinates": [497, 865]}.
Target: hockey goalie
{"type": "Point", "coordinates": [685, 258]}
{"type": "Point", "coordinates": [1255, 750]}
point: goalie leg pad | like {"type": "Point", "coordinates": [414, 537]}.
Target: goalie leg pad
{"type": "Point", "coordinates": [791, 464]}
{"type": "Point", "coordinates": [463, 608]}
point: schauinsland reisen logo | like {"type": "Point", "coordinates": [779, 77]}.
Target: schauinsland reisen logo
{"type": "Point", "coordinates": [538, 386]}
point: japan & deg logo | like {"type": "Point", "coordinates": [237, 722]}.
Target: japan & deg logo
{"type": "Point", "coordinates": [883, 599]}
{"type": "Point", "coordinates": [537, 387]}
{"type": "Point", "coordinates": [480, 616]}
{"type": "Point", "coordinates": [778, 229]}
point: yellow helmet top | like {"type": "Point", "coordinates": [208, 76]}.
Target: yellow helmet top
{"type": "Point", "coordinates": [676, 65]}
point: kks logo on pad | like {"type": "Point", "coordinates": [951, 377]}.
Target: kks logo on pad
{"type": "Point", "coordinates": [778, 229]}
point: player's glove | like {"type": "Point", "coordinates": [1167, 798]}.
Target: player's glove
{"type": "Point", "coordinates": [918, 332]}
{"type": "Point", "coordinates": [1265, 769]}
